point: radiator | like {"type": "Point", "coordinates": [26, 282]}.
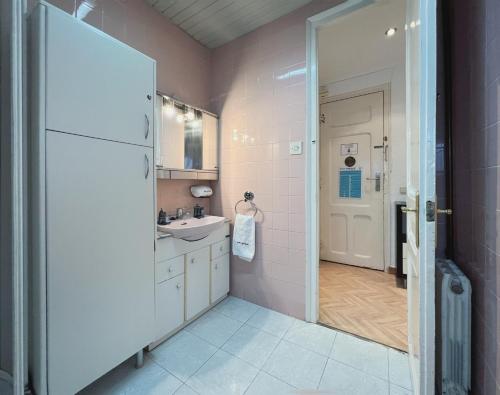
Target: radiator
{"type": "Point", "coordinates": [453, 329]}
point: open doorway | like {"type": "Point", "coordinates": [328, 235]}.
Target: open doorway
{"type": "Point", "coordinates": [419, 153]}
{"type": "Point", "coordinates": [362, 169]}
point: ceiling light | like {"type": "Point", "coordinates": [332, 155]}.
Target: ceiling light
{"type": "Point", "coordinates": [390, 32]}
{"type": "Point", "coordinates": [190, 115]}
{"type": "Point", "coordinates": [179, 117]}
{"type": "Point", "coordinates": [170, 110]}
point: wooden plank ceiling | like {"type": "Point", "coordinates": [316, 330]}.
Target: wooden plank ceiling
{"type": "Point", "coordinates": [216, 22]}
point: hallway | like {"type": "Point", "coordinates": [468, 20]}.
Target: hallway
{"type": "Point", "coordinates": [365, 302]}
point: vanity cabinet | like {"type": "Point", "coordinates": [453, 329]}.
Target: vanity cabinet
{"type": "Point", "coordinates": [191, 276]}
{"type": "Point", "coordinates": [197, 282]}
{"type": "Point", "coordinates": [219, 278]}
{"type": "Point", "coordinates": [169, 293]}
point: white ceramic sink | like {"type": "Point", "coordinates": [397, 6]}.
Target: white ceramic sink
{"type": "Point", "coordinates": [193, 228]}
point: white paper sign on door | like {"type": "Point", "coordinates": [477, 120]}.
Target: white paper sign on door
{"type": "Point", "coordinates": [348, 149]}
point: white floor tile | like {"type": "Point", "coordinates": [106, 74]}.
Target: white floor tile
{"type": "Point", "coordinates": [295, 365]}
{"type": "Point", "coordinates": [223, 374]}
{"type": "Point", "coordinates": [340, 379]}
{"type": "Point", "coordinates": [214, 327]}
{"type": "Point", "coordinates": [126, 379]}
{"type": "Point", "coordinates": [369, 357]}
{"type": "Point", "coordinates": [396, 390]}
{"type": "Point", "coordinates": [265, 384]}
{"type": "Point", "coordinates": [252, 345]}
{"type": "Point", "coordinates": [399, 369]}
{"type": "Point", "coordinates": [184, 356]}
{"type": "Point", "coordinates": [314, 337]}
{"type": "Point", "coordinates": [236, 308]}
{"type": "Point", "coordinates": [275, 323]}
{"type": "Point", "coordinates": [185, 390]}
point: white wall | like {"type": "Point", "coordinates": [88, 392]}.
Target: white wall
{"type": "Point", "coordinates": [355, 54]}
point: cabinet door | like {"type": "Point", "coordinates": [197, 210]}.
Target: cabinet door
{"type": "Point", "coordinates": [172, 142]}
{"type": "Point", "coordinates": [97, 86]}
{"type": "Point", "coordinates": [220, 278]}
{"type": "Point", "coordinates": [169, 305]}
{"type": "Point", "coordinates": [197, 281]}
{"type": "Point", "coordinates": [100, 256]}
{"type": "Point", "coordinates": [210, 142]}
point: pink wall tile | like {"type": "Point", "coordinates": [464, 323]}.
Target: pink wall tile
{"type": "Point", "coordinates": [258, 87]}
{"type": "Point", "coordinates": [172, 194]}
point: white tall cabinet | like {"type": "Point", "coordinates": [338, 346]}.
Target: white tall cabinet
{"type": "Point", "coordinates": [92, 202]}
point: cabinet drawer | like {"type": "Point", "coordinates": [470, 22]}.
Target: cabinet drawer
{"type": "Point", "coordinates": [169, 305]}
{"type": "Point", "coordinates": [197, 282]}
{"type": "Point", "coordinates": [220, 248]}
{"type": "Point", "coordinates": [219, 278]}
{"type": "Point", "coordinates": [169, 269]}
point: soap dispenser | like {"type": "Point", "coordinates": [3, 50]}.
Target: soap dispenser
{"type": "Point", "coordinates": [162, 217]}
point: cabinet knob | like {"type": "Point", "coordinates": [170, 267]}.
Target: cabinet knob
{"type": "Point", "coordinates": [192, 260]}
{"type": "Point", "coordinates": [216, 266]}
{"type": "Point", "coordinates": [170, 269]}
{"type": "Point", "coordinates": [178, 286]}
{"type": "Point", "coordinates": [221, 248]}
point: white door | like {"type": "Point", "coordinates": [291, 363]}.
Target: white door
{"type": "Point", "coordinates": [352, 181]}
{"type": "Point", "coordinates": [169, 305]}
{"type": "Point", "coordinates": [421, 138]}
{"type": "Point", "coordinates": [100, 256]}
{"type": "Point", "coordinates": [96, 86]}
{"type": "Point", "coordinates": [219, 278]}
{"type": "Point", "coordinates": [197, 281]}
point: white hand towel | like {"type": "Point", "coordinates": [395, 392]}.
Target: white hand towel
{"type": "Point", "coordinates": [244, 237]}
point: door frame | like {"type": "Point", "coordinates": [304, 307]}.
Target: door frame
{"type": "Point", "coordinates": [385, 88]}
{"type": "Point", "coordinates": [427, 23]}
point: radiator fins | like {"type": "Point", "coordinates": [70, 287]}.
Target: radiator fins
{"type": "Point", "coordinates": [453, 329]}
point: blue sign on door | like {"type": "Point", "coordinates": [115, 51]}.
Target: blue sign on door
{"type": "Point", "coordinates": [350, 184]}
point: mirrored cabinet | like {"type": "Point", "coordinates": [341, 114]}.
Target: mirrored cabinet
{"type": "Point", "coordinates": [187, 141]}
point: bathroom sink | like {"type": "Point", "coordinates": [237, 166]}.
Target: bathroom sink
{"type": "Point", "coordinates": [192, 229]}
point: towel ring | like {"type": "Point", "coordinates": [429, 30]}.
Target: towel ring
{"type": "Point", "coordinates": [248, 197]}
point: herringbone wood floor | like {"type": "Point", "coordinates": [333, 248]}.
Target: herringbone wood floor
{"type": "Point", "coordinates": [364, 302]}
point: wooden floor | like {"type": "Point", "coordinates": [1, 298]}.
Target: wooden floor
{"type": "Point", "coordinates": [364, 302]}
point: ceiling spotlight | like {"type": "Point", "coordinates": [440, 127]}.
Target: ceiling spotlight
{"type": "Point", "coordinates": [170, 110]}
{"type": "Point", "coordinates": [190, 115]}
{"type": "Point", "coordinates": [390, 32]}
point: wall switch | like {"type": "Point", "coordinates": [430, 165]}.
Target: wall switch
{"type": "Point", "coordinates": [296, 148]}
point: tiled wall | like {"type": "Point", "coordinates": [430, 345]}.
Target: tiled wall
{"type": "Point", "coordinates": [182, 64]}
{"type": "Point", "coordinates": [259, 91]}
{"type": "Point", "coordinates": [172, 194]}
{"type": "Point", "coordinates": [476, 143]}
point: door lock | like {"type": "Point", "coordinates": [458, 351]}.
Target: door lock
{"type": "Point", "coordinates": [377, 181]}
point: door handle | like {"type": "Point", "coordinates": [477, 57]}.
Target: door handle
{"type": "Point", "coordinates": [408, 210]}
{"type": "Point", "coordinates": [146, 166]}
{"type": "Point", "coordinates": [377, 181]}
{"type": "Point", "coordinates": [146, 132]}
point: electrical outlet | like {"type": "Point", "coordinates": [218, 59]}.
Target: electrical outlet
{"type": "Point", "coordinates": [296, 148]}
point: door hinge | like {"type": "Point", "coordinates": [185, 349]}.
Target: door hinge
{"type": "Point", "coordinates": [322, 118]}
{"type": "Point", "coordinates": [430, 211]}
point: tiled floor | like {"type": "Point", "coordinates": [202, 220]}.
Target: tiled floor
{"type": "Point", "coordinates": [241, 348]}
